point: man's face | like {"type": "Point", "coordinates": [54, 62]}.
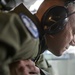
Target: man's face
{"type": "Point", "coordinates": [58, 42]}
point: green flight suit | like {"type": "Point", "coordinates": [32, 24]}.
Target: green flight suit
{"type": "Point", "coordinates": [16, 41]}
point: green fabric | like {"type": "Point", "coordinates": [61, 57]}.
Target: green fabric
{"type": "Point", "coordinates": [29, 48]}
{"type": "Point", "coordinates": [16, 42]}
{"type": "Point", "coordinates": [45, 67]}
{"type": "Point", "coordinates": [8, 31]}
{"type": "Point", "coordinates": [31, 45]}
{"type": "Point", "coordinates": [14, 34]}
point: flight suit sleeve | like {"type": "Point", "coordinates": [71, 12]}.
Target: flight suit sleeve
{"type": "Point", "coordinates": [44, 66]}
{"type": "Point", "coordinates": [9, 36]}
{"type": "Point", "coordinates": [9, 40]}
{"type": "Point", "coordinates": [16, 40]}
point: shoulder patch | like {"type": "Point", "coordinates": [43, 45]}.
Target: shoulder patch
{"type": "Point", "coordinates": [30, 25]}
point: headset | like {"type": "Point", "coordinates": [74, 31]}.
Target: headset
{"type": "Point", "coordinates": [55, 19]}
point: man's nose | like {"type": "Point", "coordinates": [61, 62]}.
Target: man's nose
{"type": "Point", "coordinates": [73, 41]}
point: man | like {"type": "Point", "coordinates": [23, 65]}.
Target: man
{"type": "Point", "coordinates": [55, 37]}
{"type": "Point", "coordinates": [61, 16]}
{"type": "Point", "coordinates": [52, 39]}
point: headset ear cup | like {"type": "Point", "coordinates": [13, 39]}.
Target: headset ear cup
{"type": "Point", "coordinates": [43, 21]}
{"type": "Point", "coordinates": [43, 26]}
{"type": "Point", "coordinates": [53, 20]}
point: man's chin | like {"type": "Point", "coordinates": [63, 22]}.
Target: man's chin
{"type": "Point", "coordinates": [59, 53]}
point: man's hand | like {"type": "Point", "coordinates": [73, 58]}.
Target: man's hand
{"type": "Point", "coordinates": [24, 67]}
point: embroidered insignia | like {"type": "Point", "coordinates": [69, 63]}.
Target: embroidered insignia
{"type": "Point", "coordinates": [30, 25]}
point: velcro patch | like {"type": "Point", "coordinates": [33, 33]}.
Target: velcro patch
{"type": "Point", "coordinates": [30, 25]}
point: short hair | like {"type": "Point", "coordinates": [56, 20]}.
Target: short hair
{"type": "Point", "coordinates": [71, 8]}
